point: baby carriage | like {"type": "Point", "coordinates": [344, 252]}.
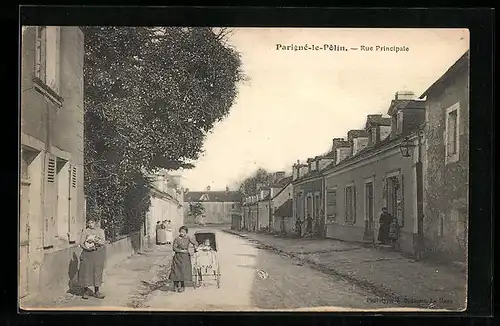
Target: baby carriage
{"type": "Point", "coordinates": [205, 263]}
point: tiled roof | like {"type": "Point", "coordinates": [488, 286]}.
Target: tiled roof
{"type": "Point", "coordinates": [282, 182]}
{"type": "Point", "coordinates": [285, 210]}
{"type": "Point", "coordinates": [365, 151]}
{"type": "Point", "coordinates": [309, 175]}
{"type": "Point", "coordinates": [405, 104]}
{"type": "Point", "coordinates": [214, 196]}
{"type": "Point", "coordinates": [460, 63]}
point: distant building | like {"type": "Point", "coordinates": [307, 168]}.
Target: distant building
{"type": "Point", "coordinates": [52, 209]}
{"type": "Point", "coordinates": [446, 168]}
{"type": "Point", "coordinates": [282, 191]}
{"type": "Point", "coordinates": [307, 193]}
{"type": "Point", "coordinates": [167, 203]}
{"type": "Point", "coordinates": [218, 205]}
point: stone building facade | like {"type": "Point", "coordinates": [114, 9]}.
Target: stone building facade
{"type": "Point", "coordinates": [167, 203]}
{"type": "Point", "coordinates": [446, 170]}
{"type": "Point", "coordinates": [218, 205]}
{"type": "Point", "coordinates": [51, 183]}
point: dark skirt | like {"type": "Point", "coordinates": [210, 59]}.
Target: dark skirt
{"type": "Point", "coordinates": [181, 269]}
{"type": "Point", "coordinates": [91, 267]}
{"type": "Point", "coordinates": [383, 232]}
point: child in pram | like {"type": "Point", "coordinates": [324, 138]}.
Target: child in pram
{"type": "Point", "coordinates": [205, 260]}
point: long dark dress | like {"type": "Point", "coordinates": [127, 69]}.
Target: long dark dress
{"type": "Point", "coordinates": [91, 261]}
{"type": "Point", "coordinates": [383, 231]}
{"type": "Point", "coordinates": [181, 269]}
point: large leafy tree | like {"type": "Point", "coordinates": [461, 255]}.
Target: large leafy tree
{"type": "Point", "coordinates": [249, 185]}
{"type": "Point", "coordinates": [151, 96]}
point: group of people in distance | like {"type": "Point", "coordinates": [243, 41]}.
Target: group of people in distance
{"type": "Point", "coordinates": [388, 234]}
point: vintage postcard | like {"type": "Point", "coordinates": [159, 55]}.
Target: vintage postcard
{"type": "Point", "coordinates": [244, 169]}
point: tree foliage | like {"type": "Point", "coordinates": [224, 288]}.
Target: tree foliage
{"type": "Point", "coordinates": [196, 210]}
{"type": "Point", "coordinates": [249, 186]}
{"type": "Point", "coordinates": [151, 96]}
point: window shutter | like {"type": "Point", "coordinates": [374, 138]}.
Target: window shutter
{"type": "Point", "coordinates": [40, 49]}
{"type": "Point", "coordinates": [384, 192]}
{"type": "Point", "coordinates": [57, 51]}
{"type": "Point", "coordinates": [402, 200]}
{"type": "Point", "coordinates": [51, 169]}
{"type": "Point", "coordinates": [73, 204]}
{"type": "Point", "coordinates": [346, 205]}
{"type": "Point", "coordinates": [354, 205]}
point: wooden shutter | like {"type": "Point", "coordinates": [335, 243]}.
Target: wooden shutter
{"type": "Point", "coordinates": [384, 191]}
{"type": "Point", "coordinates": [50, 206]}
{"type": "Point", "coordinates": [40, 50]}
{"type": "Point", "coordinates": [346, 206]}
{"type": "Point", "coordinates": [57, 52]}
{"type": "Point", "coordinates": [73, 203]}
{"type": "Point", "coordinates": [353, 204]}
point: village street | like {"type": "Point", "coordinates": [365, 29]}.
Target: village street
{"type": "Point", "coordinates": [253, 277]}
{"type": "Point", "coordinates": [141, 283]}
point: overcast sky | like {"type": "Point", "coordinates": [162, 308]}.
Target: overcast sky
{"type": "Point", "coordinates": [297, 101]}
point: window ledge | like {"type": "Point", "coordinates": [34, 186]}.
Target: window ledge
{"type": "Point", "coordinates": [60, 245]}
{"type": "Point", "coordinates": [45, 90]}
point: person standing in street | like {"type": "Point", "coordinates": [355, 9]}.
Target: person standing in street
{"type": "Point", "coordinates": [181, 270]}
{"type": "Point", "coordinates": [385, 222]}
{"type": "Point", "coordinates": [158, 231]}
{"type": "Point", "coordinates": [298, 227]}
{"type": "Point", "coordinates": [309, 225]}
{"type": "Point", "coordinates": [92, 241]}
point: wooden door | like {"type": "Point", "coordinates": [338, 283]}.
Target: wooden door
{"type": "Point", "coordinates": [369, 208]}
{"type": "Point", "coordinates": [50, 207]}
{"type": "Point", "coordinates": [24, 229]}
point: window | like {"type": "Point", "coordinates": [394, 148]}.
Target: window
{"type": "Point", "coordinates": [47, 58]}
{"type": "Point", "coordinates": [350, 205]}
{"type": "Point", "coordinates": [373, 135]}
{"type": "Point", "coordinates": [452, 134]}
{"type": "Point", "coordinates": [331, 205]}
{"type": "Point", "coordinates": [399, 123]}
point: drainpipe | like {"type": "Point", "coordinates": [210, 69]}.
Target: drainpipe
{"type": "Point", "coordinates": [420, 202]}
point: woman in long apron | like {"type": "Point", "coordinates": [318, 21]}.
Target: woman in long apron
{"type": "Point", "coordinates": [161, 236]}
{"type": "Point", "coordinates": [92, 259]}
{"type": "Point", "coordinates": [181, 270]}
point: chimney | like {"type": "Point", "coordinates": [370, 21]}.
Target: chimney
{"type": "Point", "coordinates": [227, 188]}
{"type": "Point", "coordinates": [404, 95]}
{"type": "Point", "coordinates": [336, 142]}
{"type": "Point", "coordinates": [295, 174]}
{"type": "Point", "coordinates": [280, 175]}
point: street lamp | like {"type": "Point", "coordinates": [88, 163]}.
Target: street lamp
{"type": "Point", "coordinates": [406, 147]}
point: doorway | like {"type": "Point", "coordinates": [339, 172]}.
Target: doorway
{"type": "Point", "coordinates": [27, 157]}
{"type": "Point", "coordinates": [369, 211]}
